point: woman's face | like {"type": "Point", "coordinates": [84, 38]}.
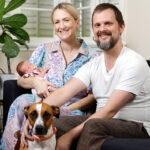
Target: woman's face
{"type": "Point", "coordinates": [65, 25]}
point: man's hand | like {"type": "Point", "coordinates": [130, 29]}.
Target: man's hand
{"type": "Point", "coordinates": [25, 134]}
{"type": "Point", "coordinates": [64, 142]}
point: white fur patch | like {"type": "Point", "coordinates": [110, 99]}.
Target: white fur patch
{"type": "Point", "coordinates": [39, 120]}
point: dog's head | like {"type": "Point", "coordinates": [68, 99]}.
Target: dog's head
{"type": "Point", "coordinates": [40, 116]}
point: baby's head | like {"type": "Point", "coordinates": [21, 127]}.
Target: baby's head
{"type": "Point", "coordinates": [25, 67]}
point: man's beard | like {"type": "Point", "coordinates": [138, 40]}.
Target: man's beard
{"type": "Point", "coordinates": [107, 45]}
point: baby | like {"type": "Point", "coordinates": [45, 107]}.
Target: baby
{"type": "Point", "coordinates": [26, 69]}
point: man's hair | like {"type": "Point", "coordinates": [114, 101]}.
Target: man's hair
{"type": "Point", "coordinates": [103, 6]}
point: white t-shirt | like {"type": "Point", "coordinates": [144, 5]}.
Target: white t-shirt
{"type": "Point", "coordinates": [130, 73]}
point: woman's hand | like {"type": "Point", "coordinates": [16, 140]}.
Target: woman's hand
{"type": "Point", "coordinates": [42, 88]}
{"type": "Point", "coordinates": [25, 134]}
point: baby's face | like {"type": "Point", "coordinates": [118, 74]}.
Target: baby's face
{"type": "Point", "coordinates": [30, 67]}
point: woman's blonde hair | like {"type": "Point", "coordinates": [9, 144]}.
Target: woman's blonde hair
{"type": "Point", "coordinates": [70, 8]}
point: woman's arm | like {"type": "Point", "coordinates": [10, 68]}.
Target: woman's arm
{"type": "Point", "coordinates": [27, 83]}
{"type": "Point", "coordinates": [83, 103]}
{"type": "Point", "coordinates": [41, 86]}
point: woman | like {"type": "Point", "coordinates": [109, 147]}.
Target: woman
{"type": "Point", "coordinates": [64, 57]}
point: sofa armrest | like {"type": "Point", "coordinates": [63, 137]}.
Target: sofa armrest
{"type": "Point", "coordinates": [10, 92]}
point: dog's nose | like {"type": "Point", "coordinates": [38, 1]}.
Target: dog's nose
{"type": "Point", "coordinates": [40, 130]}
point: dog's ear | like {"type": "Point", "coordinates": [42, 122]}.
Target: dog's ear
{"type": "Point", "coordinates": [56, 111]}
{"type": "Point", "coordinates": [26, 108]}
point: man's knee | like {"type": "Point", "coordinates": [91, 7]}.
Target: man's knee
{"type": "Point", "coordinates": [94, 122]}
{"type": "Point", "coordinates": [96, 126]}
{"type": "Point", "coordinates": [92, 135]}
{"type": "Point", "coordinates": [90, 123]}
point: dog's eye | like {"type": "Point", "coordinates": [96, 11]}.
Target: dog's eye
{"type": "Point", "coordinates": [46, 115]}
{"type": "Point", "coordinates": [33, 115]}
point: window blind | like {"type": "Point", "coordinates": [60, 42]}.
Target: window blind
{"type": "Point", "coordinates": [38, 14]}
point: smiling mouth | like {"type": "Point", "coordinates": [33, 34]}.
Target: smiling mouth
{"type": "Point", "coordinates": [63, 30]}
{"type": "Point", "coordinates": [104, 33]}
{"type": "Point", "coordinates": [104, 36]}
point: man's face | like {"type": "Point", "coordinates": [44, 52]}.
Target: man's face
{"type": "Point", "coordinates": [106, 29]}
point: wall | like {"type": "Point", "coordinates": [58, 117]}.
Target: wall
{"type": "Point", "coordinates": [24, 55]}
{"type": "Point", "coordinates": [137, 17]}
{"type": "Point", "coordinates": [136, 34]}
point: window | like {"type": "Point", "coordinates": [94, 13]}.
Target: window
{"type": "Point", "coordinates": [38, 13]}
{"type": "Point", "coordinates": [39, 25]}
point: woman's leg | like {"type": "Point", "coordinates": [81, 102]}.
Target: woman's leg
{"type": "Point", "coordinates": [15, 121]}
{"type": "Point", "coordinates": [65, 112]}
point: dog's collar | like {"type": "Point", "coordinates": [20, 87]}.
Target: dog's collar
{"type": "Point", "coordinates": [38, 139]}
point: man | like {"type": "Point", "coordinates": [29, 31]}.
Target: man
{"type": "Point", "coordinates": [120, 80]}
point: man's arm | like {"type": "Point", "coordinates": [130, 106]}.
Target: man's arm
{"type": "Point", "coordinates": [116, 101]}
{"type": "Point", "coordinates": [63, 94]}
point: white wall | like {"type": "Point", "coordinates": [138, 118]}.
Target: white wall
{"type": "Point", "coordinates": [137, 17]}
